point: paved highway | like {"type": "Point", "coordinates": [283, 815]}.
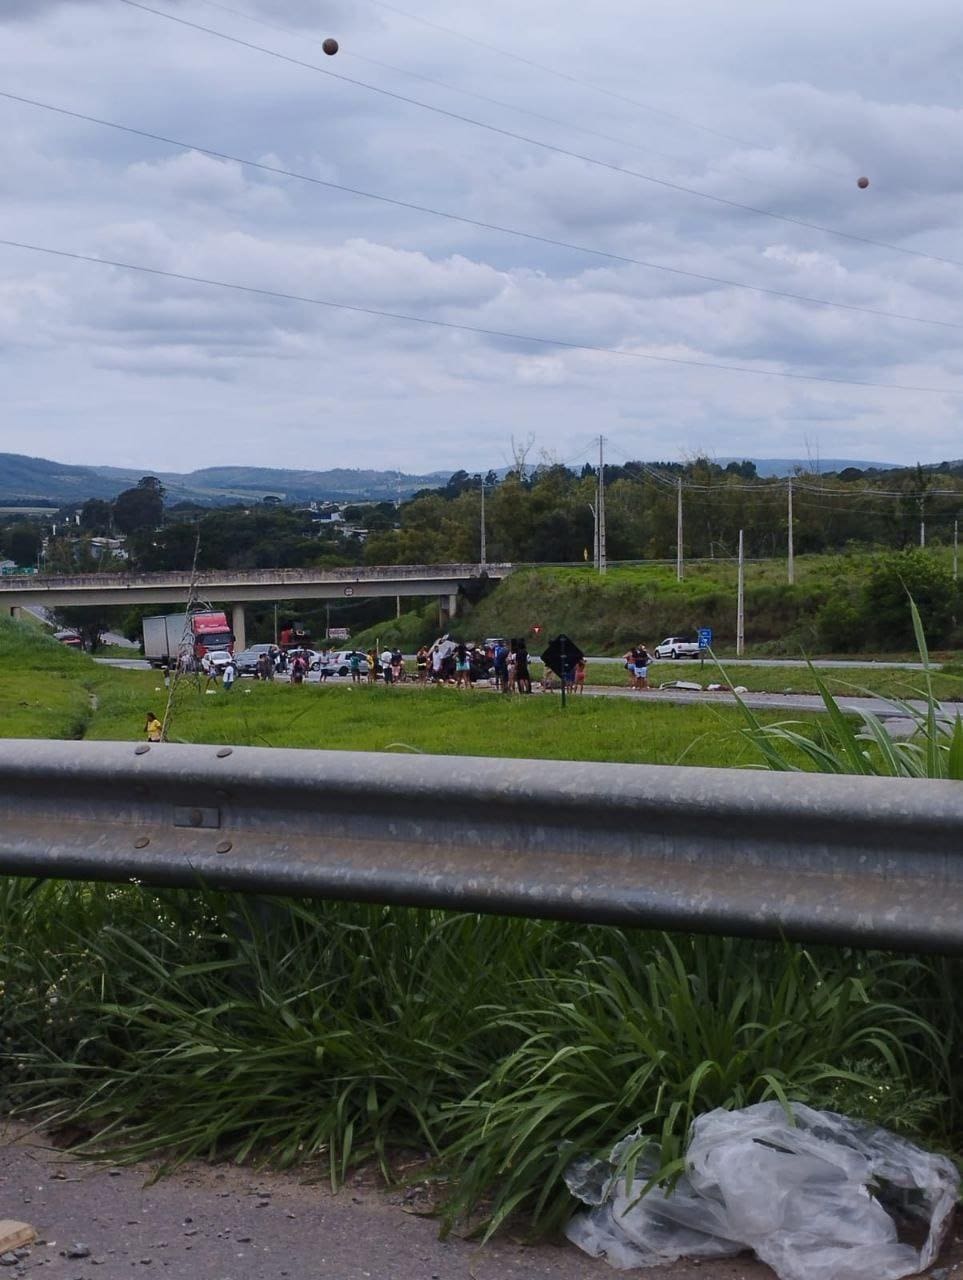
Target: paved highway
{"type": "Point", "coordinates": [791, 703]}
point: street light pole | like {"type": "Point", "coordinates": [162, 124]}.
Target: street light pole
{"type": "Point", "coordinates": [600, 518]}
{"type": "Point", "coordinates": [741, 601]}
{"type": "Point", "coordinates": [484, 548]}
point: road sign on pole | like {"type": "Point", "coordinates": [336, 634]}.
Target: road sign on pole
{"type": "Point", "coordinates": [705, 637]}
{"type": "Point", "coordinates": [561, 656]}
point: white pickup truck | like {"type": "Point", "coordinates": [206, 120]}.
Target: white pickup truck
{"type": "Point", "coordinates": [678, 647]}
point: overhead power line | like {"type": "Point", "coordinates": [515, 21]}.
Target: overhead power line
{"type": "Point", "coordinates": [429, 321]}
{"type": "Point", "coordinates": [588, 84]}
{"type": "Point", "coordinates": [479, 223]}
{"type": "Point", "coordinates": [546, 146]}
{"type": "Point", "coordinates": [460, 89]}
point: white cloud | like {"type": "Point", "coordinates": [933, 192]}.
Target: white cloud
{"type": "Point", "coordinates": [807, 101]}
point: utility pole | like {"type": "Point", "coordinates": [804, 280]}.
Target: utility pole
{"type": "Point", "coordinates": [922, 522]}
{"type": "Point", "coordinates": [740, 602]}
{"type": "Point", "coordinates": [484, 545]}
{"type": "Point", "coordinates": [601, 505]}
{"type": "Point", "coordinates": [956, 550]}
{"type": "Point", "coordinates": [595, 533]}
{"type": "Point", "coordinates": [792, 557]}
{"type": "Point", "coordinates": [678, 534]}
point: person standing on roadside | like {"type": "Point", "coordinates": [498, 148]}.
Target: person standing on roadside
{"type": "Point", "coordinates": [462, 667]}
{"type": "Point", "coordinates": [580, 676]}
{"type": "Point", "coordinates": [500, 663]}
{"type": "Point", "coordinates": [372, 666]}
{"type": "Point", "coordinates": [421, 662]}
{"type": "Point", "coordinates": [642, 660]}
{"type": "Point", "coordinates": [229, 676]}
{"type": "Point", "coordinates": [153, 728]}
{"type": "Point", "coordinates": [354, 662]}
{"type": "Point", "coordinates": [523, 678]}
{"type": "Point", "coordinates": [386, 666]}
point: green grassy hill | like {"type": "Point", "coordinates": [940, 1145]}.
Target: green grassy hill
{"type": "Point", "coordinates": [605, 614]}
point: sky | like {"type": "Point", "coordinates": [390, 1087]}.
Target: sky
{"type": "Point", "coordinates": [773, 109]}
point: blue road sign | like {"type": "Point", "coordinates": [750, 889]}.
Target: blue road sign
{"type": "Point", "coordinates": [705, 637]}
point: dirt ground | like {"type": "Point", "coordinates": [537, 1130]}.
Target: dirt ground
{"type": "Point", "coordinates": [224, 1223]}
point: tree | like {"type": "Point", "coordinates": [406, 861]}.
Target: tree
{"type": "Point", "coordinates": [96, 516]}
{"type": "Point", "coordinates": [22, 543]}
{"type": "Point", "coordinates": [886, 599]}
{"type": "Point", "coordinates": [140, 508]}
{"type": "Point", "coordinates": [90, 622]}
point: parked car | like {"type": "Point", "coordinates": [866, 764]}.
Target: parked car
{"type": "Point", "coordinates": [339, 663]}
{"type": "Point", "coordinates": [678, 647]}
{"type": "Point", "coordinates": [246, 660]}
{"type": "Point", "coordinates": [311, 656]}
{"type": "Point", "coordinates": [219, 658]}
{"type": "Point", "coordinates": [69, 638]}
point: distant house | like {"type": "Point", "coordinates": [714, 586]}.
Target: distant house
{"type": "Point", "coordinates": [7, 565]}
{"type": "Point", "coordinates": [109, 546]}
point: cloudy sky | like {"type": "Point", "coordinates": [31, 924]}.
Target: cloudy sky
{"type": "Point", "coordinates": [778, 106]}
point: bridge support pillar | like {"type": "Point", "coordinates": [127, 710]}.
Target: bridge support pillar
{"type": "Point", "coordinates": [16, 612]}
{"type": "Point", "coordinates": [447, 608]}
{"type": "Point", "coordinates": [237, 626]}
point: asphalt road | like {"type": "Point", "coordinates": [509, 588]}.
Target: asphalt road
{"type": "Point", "coordinates": [788, 702]}
{"type": "Point", "coordinates": [224, 1223]}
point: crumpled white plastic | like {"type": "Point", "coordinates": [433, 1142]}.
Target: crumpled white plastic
{"type": "Point", "coordinates": [812, 1195]}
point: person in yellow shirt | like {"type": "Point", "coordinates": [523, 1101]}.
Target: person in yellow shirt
{"type": "Point", "coordinates": [153, 728]}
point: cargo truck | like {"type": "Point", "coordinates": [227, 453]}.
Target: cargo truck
{"type": "Point", "coordinates": [191, 637]}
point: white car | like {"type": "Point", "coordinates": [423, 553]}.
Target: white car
{"type": "Point", "coordinates": [339, 664]}
{"type": "Point", "coordinates": [678, 647]}
{"type": "Point", "coordinates": [219, 658]}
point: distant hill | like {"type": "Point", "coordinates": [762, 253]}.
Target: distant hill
{"type": "Point", "coordinates": [38, 479]}
{"type": "Point", "coordinates": [26, 481]}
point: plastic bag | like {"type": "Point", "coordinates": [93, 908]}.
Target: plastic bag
{"type": "Point", "coordinates": [814, 1199]}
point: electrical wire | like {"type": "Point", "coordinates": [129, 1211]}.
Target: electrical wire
{"type": "Point", "coordinates": [478, 223]}
{"type": "Point", "coordinates": [467, 93]}
{"type": "Point", "coordinates": [590, 84]}
{"type": "Point", "coordinates": [548, 146]}
{"type": "Point", "coordinates": [409, 318]}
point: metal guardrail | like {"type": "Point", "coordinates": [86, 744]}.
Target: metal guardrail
{"type": "Point", "coordinates": [866, 861]}
{"type": "Point", "coordinates": [254, 577]}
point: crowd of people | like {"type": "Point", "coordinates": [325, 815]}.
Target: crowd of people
{"type": "Point", "coordinates": [505, 664]}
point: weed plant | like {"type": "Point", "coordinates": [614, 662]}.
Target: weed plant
{"type": "Point", "coordinates": [175, 1024]}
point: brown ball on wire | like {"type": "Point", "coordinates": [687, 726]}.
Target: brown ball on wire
{"type": "Point", "coordinates": [330, 47]}
{"type": "Point", "coordinates": [862, 183]}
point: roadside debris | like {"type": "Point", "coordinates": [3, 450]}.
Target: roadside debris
{"type": "Point", "coordinates": [13, 1235]}
{"type": "Point", "coordinates": [823, 1198]}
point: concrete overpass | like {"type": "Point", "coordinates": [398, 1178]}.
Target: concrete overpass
{"type": "Point", "coordinates": [240, 586]}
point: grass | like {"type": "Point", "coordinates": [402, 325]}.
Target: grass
{"type": "Point", "coordinates": [49, 691]}
{"type": "Point", "coordinates": [436, 721]}
{"type": "Point", "coordinates": [883, 682]}
{"type": "Point", "coordinates": [173, 1024]}
{"type": "Point", "coordinates": [180, 1025]}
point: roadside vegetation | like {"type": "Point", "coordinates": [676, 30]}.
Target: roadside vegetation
{"type": "Point", "coordinates": [840, 604]}
{"type": "Point", "coordinates": [169, 1024]}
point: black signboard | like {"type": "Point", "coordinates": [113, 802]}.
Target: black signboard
{"type": "Point", "coordinates": [561, 657]}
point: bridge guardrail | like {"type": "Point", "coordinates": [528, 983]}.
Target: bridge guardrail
{"type": "Point", "coordinates": [256, 577]}
{"type": "Point", "coordinates": [856, 860]}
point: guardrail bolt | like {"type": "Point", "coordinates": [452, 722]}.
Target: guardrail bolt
{"type": "Point", "coordinates": [141, 842]}
{"type": "Point", "coordinates": [225, 846]}
{"type": "Point", "coordinates": [196, 818]}
{"type": "Point", "coordinates": [142, 750]}
{"type": "Point", "coordinates": [224, 751]}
